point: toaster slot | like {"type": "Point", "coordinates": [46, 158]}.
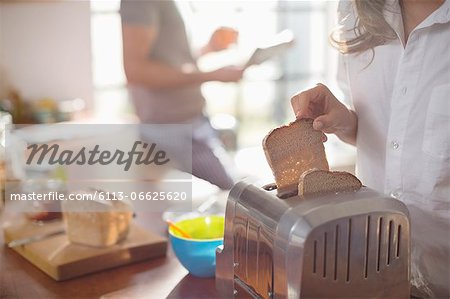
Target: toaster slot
{"type": "Point", "coordinates": [397, 239]}
{"type": "Point", "coordinates": [270, 187]}
{"type": "Point", "coordinates": [366, 255]}
{"type": "Point", "coordinates": [282, 194]}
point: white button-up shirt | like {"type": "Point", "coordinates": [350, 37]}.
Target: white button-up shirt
{"type": "Point", "coordinates": [402, 99]}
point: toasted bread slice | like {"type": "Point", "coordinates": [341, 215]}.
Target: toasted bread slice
{"type": "Point", "coordinates": [291, 150]}
{"type": "Point", "coordinates": [317, 181]}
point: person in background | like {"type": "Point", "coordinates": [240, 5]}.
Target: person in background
{"type": "Point", "coordinates": [164, 81]}
{"type": "Point", "coordinates": [395, 69]}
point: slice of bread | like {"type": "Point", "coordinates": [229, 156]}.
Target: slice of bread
{"type": "Point", "coordinates": [317, 181]}
{"type": "Point", "coordinates": [291, 150]}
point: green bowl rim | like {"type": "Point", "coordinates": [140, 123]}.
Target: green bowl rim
{"type": "Point", "coordinates": [195, 239]}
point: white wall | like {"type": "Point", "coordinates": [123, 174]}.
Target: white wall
{"type": "Point", "coordinates": [46, 48]}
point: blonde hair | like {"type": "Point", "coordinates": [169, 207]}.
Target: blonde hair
{"type": "Point", "coordinates": [370, 28]}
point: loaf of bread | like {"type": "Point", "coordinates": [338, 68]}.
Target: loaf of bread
{"type": "Point", "coordinates": [317, 181]}
{"type": "Point", "coordinates": [291, 150]}
{"type": "Point", "coordinates": [97, 223]}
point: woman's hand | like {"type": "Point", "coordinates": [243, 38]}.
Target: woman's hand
{"type": "Point", "coordinates": [330, 115]}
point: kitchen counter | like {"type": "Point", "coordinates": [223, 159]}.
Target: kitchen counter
{"type": "Point", "coordinates": [156, 278]}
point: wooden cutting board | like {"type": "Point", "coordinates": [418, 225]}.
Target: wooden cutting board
{"type": "Point", "coordinates": [62, 260]}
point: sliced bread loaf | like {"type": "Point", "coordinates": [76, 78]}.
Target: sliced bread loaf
{"type": "Point", "coordinates": [317, 181]}
{"type": "Point", "coordinates": [291, 150]}
{"type": "Point", "coordinates": [98, 223]}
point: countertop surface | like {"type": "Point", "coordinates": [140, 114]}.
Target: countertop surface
{"type": "Point", "coordinates": [156, 278]}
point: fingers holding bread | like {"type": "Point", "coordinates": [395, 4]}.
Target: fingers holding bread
{"type": "Point", "coordinates": [329, 114]}
{"type": "Point", "coordinates": [310, 103]}
{"type": "Point", "coordinates": [319, 104]}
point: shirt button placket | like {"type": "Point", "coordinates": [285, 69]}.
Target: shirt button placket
{"type": "Point", "coordinates": [393, 155]}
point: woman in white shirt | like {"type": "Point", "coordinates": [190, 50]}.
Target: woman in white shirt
{"type": "Point", "coordinates": [395, 70]}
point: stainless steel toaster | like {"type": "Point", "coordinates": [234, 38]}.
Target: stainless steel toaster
{"type": "Point", "coordinates": [346, 245]}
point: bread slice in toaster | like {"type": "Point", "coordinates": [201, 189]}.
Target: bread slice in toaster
{"type": "Point", "coordinates": [317, 181]}
{"type": "Point", "coordinates": [291, 150]}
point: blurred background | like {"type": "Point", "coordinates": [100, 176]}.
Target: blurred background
{"type": "Point", "coordinates": [62, 61]}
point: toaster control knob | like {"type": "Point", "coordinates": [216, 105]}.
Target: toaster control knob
{"type": "Point", "coordinates": [235, 292]}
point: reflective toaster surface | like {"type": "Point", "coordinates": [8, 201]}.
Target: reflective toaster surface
{"type": "Point", "coordinates": [335, 246]}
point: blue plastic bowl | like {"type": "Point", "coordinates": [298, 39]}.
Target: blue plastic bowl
{"type": "Point", "coordinates": [198, 255]}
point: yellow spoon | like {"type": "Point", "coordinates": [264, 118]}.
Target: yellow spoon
{"type": "Point", "coordinates": [178, 229]}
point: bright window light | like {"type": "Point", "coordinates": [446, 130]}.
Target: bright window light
{"type": "Point", "coordinates": [261, 100]}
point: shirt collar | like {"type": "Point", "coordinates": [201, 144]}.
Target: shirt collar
{"type": "Point", "coordinates": [393, 16]}
{"type": "Point", "coordinates": [439, 16]}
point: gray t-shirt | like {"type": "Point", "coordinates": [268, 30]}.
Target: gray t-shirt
{"type": "Point", "coordinates": [171, 46]}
